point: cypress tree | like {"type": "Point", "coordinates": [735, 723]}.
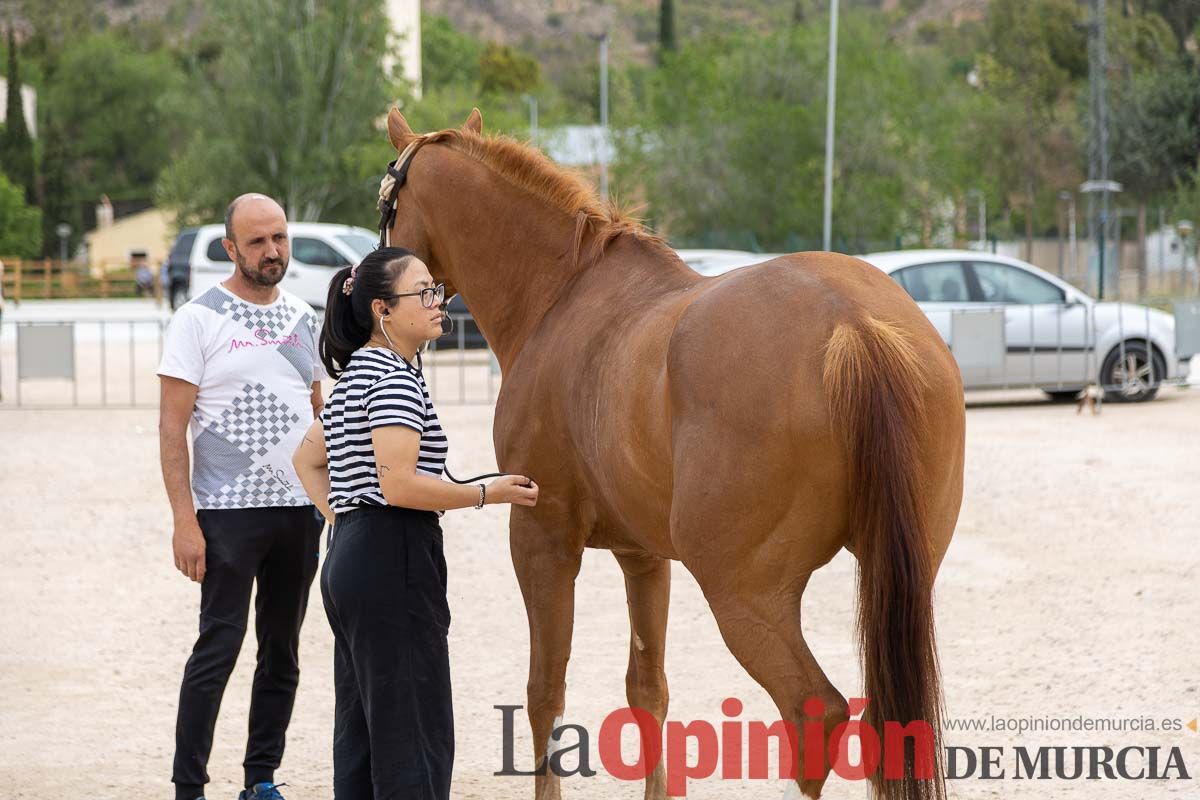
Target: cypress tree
{"type": "Point", "coordinates": [16, 146]}
{"type": "Point", "coordinates": [666, 28]}
{"type": "Point", "coordinates": [60, 202]}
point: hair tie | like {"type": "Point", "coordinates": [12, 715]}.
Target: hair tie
{"type": "Point", "coordinates": [348, 284]}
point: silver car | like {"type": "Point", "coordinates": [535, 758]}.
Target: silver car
{"type": "Point", "coordinates": [1051, 336]}
{"type": "Point", "coordinates": [1055, 337]}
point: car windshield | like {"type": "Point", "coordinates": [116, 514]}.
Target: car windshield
{"type": "Point", "coordinates": [361, 244]}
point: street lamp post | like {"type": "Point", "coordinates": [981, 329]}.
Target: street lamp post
{"type": "Point", "coordinates": [982, 206]}
{"type": "Point", "coordinates": [1104, 188]}
{"type": "Point", "coordinates": [533, 126]}
{"type": "Point", "coordinates": [830, 106]}
{"type": "Point", "coordinates": [64, 233]}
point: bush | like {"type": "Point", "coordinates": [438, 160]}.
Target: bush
{"type": "Point", "coordinates": [20, 224]}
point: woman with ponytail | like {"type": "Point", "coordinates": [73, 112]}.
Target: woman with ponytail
{"type": "Point", "coordinates": [373, 465]}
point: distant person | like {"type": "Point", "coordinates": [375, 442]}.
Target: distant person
{"type": "Point", "coordinates": [240, 364]}
{"type": "Point", "coordinates": [142, 274]}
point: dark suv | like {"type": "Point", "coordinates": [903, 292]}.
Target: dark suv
{"type": "Point", "coordinates": [179, 268]}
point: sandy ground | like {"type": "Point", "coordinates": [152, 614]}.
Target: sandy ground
{"type": "Point", "coordinates": [1069, 590]}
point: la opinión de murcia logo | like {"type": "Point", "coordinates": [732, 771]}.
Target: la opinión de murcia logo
{"type": "Point", "coordinates": [1063, 762]}
{"type": "Point", "coordinates": [742, 749]}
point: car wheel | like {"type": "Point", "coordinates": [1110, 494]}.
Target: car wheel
{"type": "Point", "coordinates": [1062, 395]}
{"type": "Point", "coordinates": [1126, 374]}
{"type": "Point", "coordinates": [178, 295]}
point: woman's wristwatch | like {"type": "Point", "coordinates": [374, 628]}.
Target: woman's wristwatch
{"type": "Point", "coordinates": [482, 496]}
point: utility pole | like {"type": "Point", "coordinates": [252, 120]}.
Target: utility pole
{"type": "Point", "coordinates": [1098, 182]}
{"type": "Point", "coordinates": [604, 115]}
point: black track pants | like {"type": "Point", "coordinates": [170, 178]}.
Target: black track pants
{"type": "Point", "coordinates": [277, 547]}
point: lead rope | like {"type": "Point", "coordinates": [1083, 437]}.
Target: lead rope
{"type": "Point", "coordinates": [419, 369]}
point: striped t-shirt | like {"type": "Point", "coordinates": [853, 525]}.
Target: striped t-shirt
{"type": "Point", "coordinates": [376, 389]}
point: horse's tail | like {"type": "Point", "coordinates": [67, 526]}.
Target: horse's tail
{"type": "Point", "coordinates": [874, 383]}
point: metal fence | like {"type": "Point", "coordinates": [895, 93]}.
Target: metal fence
{"type": "Point", "coordinates": [1122, 348]}
{"type": "Point", "coordinates": [111, 363]}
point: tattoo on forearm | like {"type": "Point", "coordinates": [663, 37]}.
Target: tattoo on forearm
{"type": "Point", "coordinates": [310, 441]}
{"type": "Point", "coordinates": [384, 470]}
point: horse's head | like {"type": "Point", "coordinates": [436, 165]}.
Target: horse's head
{"type": "Point", "coordinates": [409, 228]}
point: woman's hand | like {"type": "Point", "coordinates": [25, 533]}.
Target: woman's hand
{"type": "Point", "coordinates": [512, 489]}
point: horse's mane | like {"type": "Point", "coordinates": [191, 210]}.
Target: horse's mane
{"type": "Point", "coordinates": [529, 169]}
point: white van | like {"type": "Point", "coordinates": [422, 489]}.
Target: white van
{"type": "Point", "coordinates": [198, 260]}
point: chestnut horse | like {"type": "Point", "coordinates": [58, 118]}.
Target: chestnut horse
{"type": "Point", "coordinates": [662, 420]}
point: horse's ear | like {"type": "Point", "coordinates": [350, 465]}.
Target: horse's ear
{"type": "Point", "coordinates": [474, 122]}
{"type": "Point", "coordinates": [398, 130]}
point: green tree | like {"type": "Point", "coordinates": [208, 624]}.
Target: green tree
{"type": "Point", "coordinates": [1139, 43]}
{"type": "Point", "coordinates": [450, 106]}
{"type": "Point", "coordinates": [290, 107]}
{"type": "Point", "coordinates": [61, 198]}
{"type": "Point", "coordinates": [16, 146]}
{"type": "Point", "coordinates": [57, 23]}
{"type": "Point", "coordinates": [666, 29]}
{"type": "Point", "coordinates": [1154, 128]}
{"type": "Point", "coordinates": [20, 223]}
{"type": "Point", "coordinates": [109, 102]}
{"type": "Point", "coordinates": [732, 139]}
{"type": "Point", "coordinates": [448, 57]}
{"type": "Point", "coordinates": [570, 62]}
{"type": "Point", "coordinates": [1035, 55]}
{"type": "Point", "coordinates": [1181, 15]}
{"type": "Point", "coordinates": [506, 69]}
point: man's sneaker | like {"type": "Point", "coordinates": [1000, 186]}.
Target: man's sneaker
{"type": "Point", "coordinates": [262, 791]}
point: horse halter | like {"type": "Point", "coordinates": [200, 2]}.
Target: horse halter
{"type": "Point", "coordinates": [389, 188]}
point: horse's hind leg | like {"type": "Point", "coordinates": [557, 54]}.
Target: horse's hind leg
{"type": "Point", "coordinates": [648, 588]}
{"type": "Point", "coordinates": [757, 607]}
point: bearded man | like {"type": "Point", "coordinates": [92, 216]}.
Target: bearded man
{"type": "Point", "coordinates": [240, 365]}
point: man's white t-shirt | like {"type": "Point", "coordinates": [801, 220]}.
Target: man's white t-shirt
{"type": "Point", "coordinates": [255, 367]}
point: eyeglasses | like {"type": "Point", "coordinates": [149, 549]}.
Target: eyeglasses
{"type": "Point", "coordinates": [430, 297]}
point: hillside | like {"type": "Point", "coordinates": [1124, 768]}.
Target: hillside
{"type": "Point", "coordinates": [537, 24]}
{"type": "Point", "coordinates": [633, 24]}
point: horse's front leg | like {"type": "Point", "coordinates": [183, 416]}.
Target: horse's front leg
{"type": "Point", "coordinates": [546, 556]}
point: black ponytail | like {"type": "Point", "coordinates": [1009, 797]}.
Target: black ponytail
{"type": "Point", "coordinates": [348, 319]}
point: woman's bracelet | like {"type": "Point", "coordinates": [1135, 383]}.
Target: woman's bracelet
{"type": "Point", "coordinates": [482, 496]}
